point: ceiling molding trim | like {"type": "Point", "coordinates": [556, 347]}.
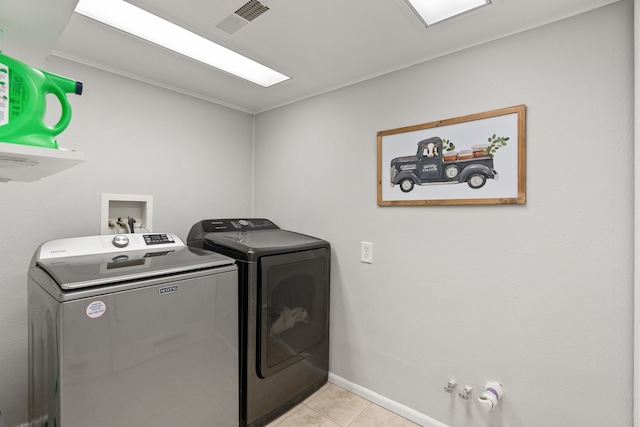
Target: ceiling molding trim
{"type": "Point", "coordinates": [423, 60]}
{"type": "Point", "coordinates": [102, 67]}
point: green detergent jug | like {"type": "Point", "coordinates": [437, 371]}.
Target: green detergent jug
{"type": "Point", "coordinates": [23, 103]}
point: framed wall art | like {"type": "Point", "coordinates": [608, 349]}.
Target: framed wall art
{"type": "Point", "coordinates": [471, 160]}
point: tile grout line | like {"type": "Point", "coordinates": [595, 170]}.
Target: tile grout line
{"type": "Point", "coordinates": [324, 416]}
{"type": "Point", "coordinates": [360, 414]}
{"type": "Point", "coordinates": [369, 403]}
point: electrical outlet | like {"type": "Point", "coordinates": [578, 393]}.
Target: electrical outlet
{"type": "Point", "coordinates": [366, 252]}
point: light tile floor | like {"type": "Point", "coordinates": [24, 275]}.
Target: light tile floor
{"type": "Point", "coordinates": [333, 406]}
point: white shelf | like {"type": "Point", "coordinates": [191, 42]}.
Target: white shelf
{"type": "Point", "coordinates": [26, 163]}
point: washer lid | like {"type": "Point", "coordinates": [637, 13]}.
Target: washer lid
{"type": "Point", "coordinates": [252, 244]}
{"type": "Point", "coordinates": [81, 271]}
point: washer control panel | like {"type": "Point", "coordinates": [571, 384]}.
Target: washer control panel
{"type": "Point", "coordinates": [237, 224]}
{"type": "Point", "coordinates": [105, 244]}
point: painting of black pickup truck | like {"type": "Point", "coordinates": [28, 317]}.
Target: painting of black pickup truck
{"type": "Point", "coordinates": [454, 161]}
{"type": "Point", "coordinates": [431, 165]}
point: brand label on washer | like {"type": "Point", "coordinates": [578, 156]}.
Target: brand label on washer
{"type": "Point", "coordinates": [168, 290]}
{"type": "Point", "coordinates": [96, 309]}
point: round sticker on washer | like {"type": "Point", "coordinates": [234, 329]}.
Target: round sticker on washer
{"type": "Point", "coordinates": [96, 309]}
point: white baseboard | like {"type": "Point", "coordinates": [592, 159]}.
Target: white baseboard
{"type": "Point", "coordinates": [386, 403]}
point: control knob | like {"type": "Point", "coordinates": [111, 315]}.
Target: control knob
{"type": "Point", "coordinates": [120, 241]}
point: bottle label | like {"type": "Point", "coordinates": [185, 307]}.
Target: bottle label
{"type": "Point", "coordinates": [4, 94]}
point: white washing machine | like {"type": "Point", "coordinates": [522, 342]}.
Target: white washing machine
{"type": "Point", "coordinates": [132, 330]}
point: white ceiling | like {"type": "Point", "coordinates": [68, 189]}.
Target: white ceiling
{"type": "Point", "coordinates": [321, 44]}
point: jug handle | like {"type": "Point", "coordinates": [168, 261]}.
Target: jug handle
{"type": "Point", "coordinates": [60, 86]}
{"type": "Point", "coordinates": [65, 117]}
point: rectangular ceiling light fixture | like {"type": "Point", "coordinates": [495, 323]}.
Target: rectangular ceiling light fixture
{"type": "Point", "coordinates": [140, 23]}
{"type": "Point", "coordinates": [432, 11]}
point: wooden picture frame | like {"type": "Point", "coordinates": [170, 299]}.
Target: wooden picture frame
{"type": "Point", "coordinates": [477, 159]}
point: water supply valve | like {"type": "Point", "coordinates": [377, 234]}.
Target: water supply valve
{"type": "Point", "coordinates": [451, 386]}
{"type": "Point", "coordinates": [490, 396]}
{"type": "Point", "coordinates": [466, 392]}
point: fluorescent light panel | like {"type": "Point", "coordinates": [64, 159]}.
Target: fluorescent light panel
{"type": "Point", "coordinates": [432, 11]}
{"type": "Point", "coordinates": [138, 22]}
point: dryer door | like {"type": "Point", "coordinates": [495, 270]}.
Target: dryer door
{"type": "Point", "coordinates": [294, 301]}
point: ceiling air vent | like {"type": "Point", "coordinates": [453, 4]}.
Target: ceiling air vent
{"type": "Point", "coordinates": [241, 17]}
{"type": "Point", "coordinates": [251, 10]}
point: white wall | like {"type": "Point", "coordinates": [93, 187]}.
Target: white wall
{"type": "Point", "coordinates": [193, 157]}
{"type": "Point", "coordinates": [636, 294]}
{"type": "Point", "coordinates": [540, 296]}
